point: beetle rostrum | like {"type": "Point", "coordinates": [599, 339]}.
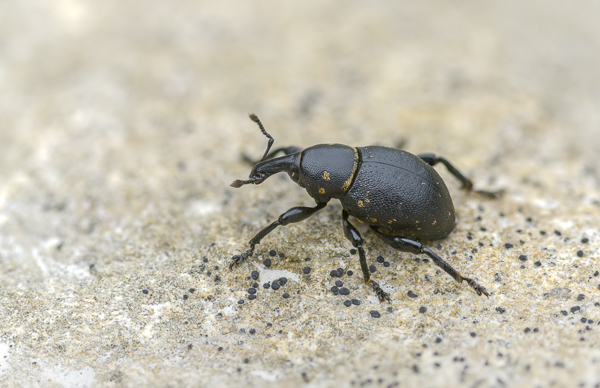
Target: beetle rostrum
{"type": "Point", "coordinates": [398, 195]}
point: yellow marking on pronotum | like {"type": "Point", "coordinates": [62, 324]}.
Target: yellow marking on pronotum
{"type": "Point", "coordinates": [326, 175]}
{"type": "Point", "coordinates": [360, 204]}
{"type": "Point", "coordinates": [346, 184]}
{"type": "Point", "coordinates": [321, 190]}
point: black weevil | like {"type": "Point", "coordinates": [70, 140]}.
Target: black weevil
{"type": "Point", "coordinates": [398, 194]}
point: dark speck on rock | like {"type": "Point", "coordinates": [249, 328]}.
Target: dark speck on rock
{"type": "Point", "coordinates": [438, 340]}
{"type": "Point", "coordinates": [412, 294]}
{"type": "Point", "coordinates": [350, 273]}
{"type": "Point", "coordinates": [375, 313]}
{"type": "Point", "coordinates": [272, 253]}
{"type": "Point", "coordinates": [286, 295]}
{"type": "Point", "coordinates": [252, 331]}
{"type": "Point", "coordinates": [473, 334]}
{"type": "Point", "coordinates": [192, 290]}
{"type": "Point", "coordinates": [508, 246]}
{"type": "Point", "coordinates": [241, 301]}
{"type": "Point", "coordinates": [344, 291]}
{"type": "Point", "coordinates": [204, 259]}
{"type": "Point", "coordinates": [386, 264]}
{"type": "Point", "coordinates": [372, 268]}
{"type": "Point", "coordinates": [500, 310]}
{"type": "Point", "coordinates": [267, 286]}
{"type": "Point", "coordinates": [281, 255]}
{"type": "Point", "coordinates": [347, 303]}
{"type": "Point", "coordinates": [339, 283]}
{"type": "Point", "coordinates": [355, 301]}
{"type": "Point", "coordinates": [353, 251]}
{"type": "Point", "coordinates": [564, 312]}
{"type": "Point", "coordinates": [145, 291]}
{"type": "Point", "coordinates": [556, 232]}
{"type": "Point", "coordinates": [574, 309]}
{"type": "Point", "coordinates": [523, 258]}
{"type": "Point", "coordinates": [267, 263]}
{"type": "Point", "coordinates": [423, 309]}
{"type": "Point", "coordinates": [585, 240]}
{"type": "Point", "coordinates": [542, 232]}
{"type": "Point", "coordinates": [306, 270]}
{"type": "Point", "coordinates": [380, 259]}
{"type": "Point", "coordinates": [580, 253]}
{"type": "Point", "coordinates": [580, 297]}
{"type": "Point", "coordinates": [254, 275]}
{"type": "Point", "coordinates": [538, 263]}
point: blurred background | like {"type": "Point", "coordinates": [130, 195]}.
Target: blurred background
{"type": "Point", "coordinates": [122, 125]}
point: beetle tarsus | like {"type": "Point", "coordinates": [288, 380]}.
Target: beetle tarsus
{"type": "Point", "coordinates": [381, 295]}
{"type": "Point", "coordinates": [239, 259]}
{"type": "Point", "coordinates": [478, 288]}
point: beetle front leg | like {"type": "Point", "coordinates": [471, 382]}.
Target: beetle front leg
{"type": "Point", "coordinates": [407, 245]}
{"type": "Point", "coordinates": [352, 234]}
{"type": "Point", "coordinates": [432, 160]}
{"type": "Point", "coordinates": [295, 214]}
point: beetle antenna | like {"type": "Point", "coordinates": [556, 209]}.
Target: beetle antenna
{"type": "Point", "coordinates": [239, 183]}
{"type": "Point", "coordinates": [255, 118]}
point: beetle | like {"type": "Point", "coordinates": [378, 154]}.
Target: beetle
{"type": "Point", "coordinates": [398, 195]}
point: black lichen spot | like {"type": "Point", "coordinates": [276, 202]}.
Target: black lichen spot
{"type": "Point", "coordinates": [334, 274]}
{"type": "Point", "coordinates": [335, 290]}
{"type": "Point", "coordinates": [267, 263]}
{"type": "Point", "coordinates": [538, 263]}
{"type": "Point", "coordinates": [580, 253]}
{"type": "Point", "coordinates": [347, 303]}
{"type": "Point", "coordinates": [251, 297]}
{"type": "Point", "coordinates": [438, 340]}
{"type": "Point", "coordinates": [350, 273]}
{"type": "Point", "coordinates": [585, 240]}
{"type": "Point", "coordinates": [497, 277]}
{"type": "Point", "coordinates": [252, 331]}
{"type": "Point", "coordinates": [508, 246]}
{"type": "Point", "coordinates": [192, 290]}
{"type": "Point", "coordinates": [204, 259]}
{"type": "Point", "coordinates": [272, 253]}
{"type": "Point", "coordinates": [535, 329]}
{"type": "Point", "coordinates": [575, 309]}
{"type": "Point", "coordinates": [580, 297]}
{"type": "Point", "coordinates": [523, 258]}
{"type": "Point", "coordinates": [556, 232]}
{"type": "Point", "coordinates": [372, 268]}
{"type": "Point", "coordinates": [254, 275]}
{"type": "Point", "coordinates": [422, 309]}
{"type": "Point", "coordinates": [344, 291]}
{"type": "Point", "coordinates": [267, 286]}
{"type": "Point", "coordinates": [307, 259]}
{"type": "Point", "coordinates": [380, 259]}
{"type": "Point", "coordinates": [241, 301]}
{"type": "Point", "coordinates": [564, 312]}
{"type": "Point", "coordinates": [185, 297]}
{"type": "Point", "coordinates": [355, 301]}
{"type": "Point", "coordinates": [281, 255]}
{"type": "Point", "coordinates": [217, 278]}
{"type": "Point", "coordinates": [306, 270]}
{"type": "Point", "coordinates": [353, 251]}
{"type": "Point", "coordinates": [286, 295]}
{"type": "Point", "coordinates": [501, 310]}
{"type": "Point", "coordinates": [542, 232]}
{"type": "Point", "coordinates": [220, 348]}
{"type": "Point", "coordinates": [386, 264]}
{"type": "Point", "coordinates": [339, 283]}
{"type": "Point", "coordinates": [473, 334]}
{"type": "Point", "coordinates": [145, 292]}
{"type": "Point", "coordinates": [527, 330]}
{"type": "Point", "coordinates": [412, 294]}
{"type": "Point", "coordinates": [252, 290]}
{"type": "Point", "coordinates": [375, 313]}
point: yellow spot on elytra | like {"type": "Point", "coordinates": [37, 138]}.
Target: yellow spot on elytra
{"type": "Point", "coordinates": [372, 219]}
{"type": "Point", "coordinates": [434, 222]}
{"type": "Point", "coordinates": [449, 214]}
{"type": "Point", "coordinates": [367, 200]}
{"type": "Point", "coordinates": [360, 204]}
{"type": "Point", "coordinates": [418, 228]}
{"type": "Point", "coordinates": [417, 222]}
{"type": "Point", "coordinates": [326, 175]}
{"type": "Point", "coordinates": [321, 190]}
{"type": "Point", "coordinates": [390, 221]}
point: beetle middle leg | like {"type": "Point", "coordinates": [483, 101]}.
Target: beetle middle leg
{"type": "Point", "coordinates": [432, 160]}
{"type": "Point", "coordinates": [407, 245]}
{"type": "Point", "coordinates": [295, 214]}
{"type": "Point", "coordinates": [352, 234]}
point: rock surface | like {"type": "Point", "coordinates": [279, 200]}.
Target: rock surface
{"type": "Point", "coordinates": [122, 125]}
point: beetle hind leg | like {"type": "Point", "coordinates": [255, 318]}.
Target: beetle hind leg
{"type": "Point", "coordinates": [407, 245]}
{"type": "Point", "coordinates": [432, 160]}
{"type": "Point", "coordinates": [353, 235]}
